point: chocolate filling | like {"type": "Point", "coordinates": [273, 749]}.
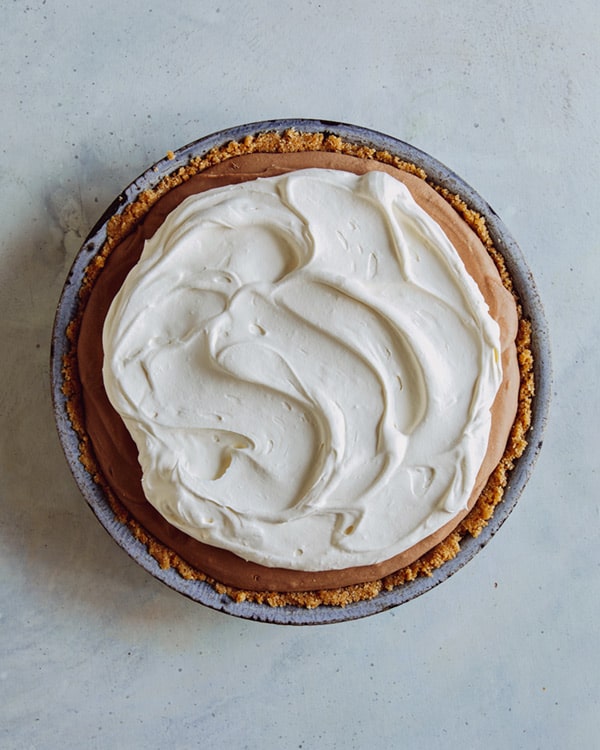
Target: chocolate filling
{"type": "Point", "coordinates": [115, 451]}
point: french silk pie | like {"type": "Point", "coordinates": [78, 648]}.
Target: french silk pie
{"type": "Point", "coordinates": [299, 371]}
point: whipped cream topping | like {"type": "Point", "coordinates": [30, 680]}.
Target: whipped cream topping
{"type": "Point", "coordinates": [306, 369]}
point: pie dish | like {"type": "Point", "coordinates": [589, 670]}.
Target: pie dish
{"type": "Point", "coordinates": [297, 605]}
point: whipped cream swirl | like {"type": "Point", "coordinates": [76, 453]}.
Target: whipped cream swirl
{"type": "Point", "coordinates": [306, 368]}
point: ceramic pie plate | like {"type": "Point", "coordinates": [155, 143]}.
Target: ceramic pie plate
{"type": "Point", "coordinates": [524, 286]}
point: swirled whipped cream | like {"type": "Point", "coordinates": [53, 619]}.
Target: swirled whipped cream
{"type": "Point", "coordinates": [306, 369]}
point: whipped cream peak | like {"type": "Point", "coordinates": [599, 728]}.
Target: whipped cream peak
{"type": "Point", "coordinates": [306, 368]}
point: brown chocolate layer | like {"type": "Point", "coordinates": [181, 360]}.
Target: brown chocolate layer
{"type": "Point", "coordinates": [115, 451]}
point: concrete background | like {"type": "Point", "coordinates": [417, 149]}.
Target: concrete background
{"type": "Point", "coordinates": [94, 652]}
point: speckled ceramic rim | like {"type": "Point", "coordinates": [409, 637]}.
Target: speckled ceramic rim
{"type": "Point", "coordinates": [532, 308]}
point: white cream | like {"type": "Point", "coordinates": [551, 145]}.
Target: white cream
{"type": "Point", "coordinates": [306, 368]}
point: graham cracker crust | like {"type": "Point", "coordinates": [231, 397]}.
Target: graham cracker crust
{"type": "Point", "coordinates": [119, 226]}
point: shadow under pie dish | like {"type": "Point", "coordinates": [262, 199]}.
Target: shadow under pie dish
{"type": "Point", "coordinates": [299, 330]}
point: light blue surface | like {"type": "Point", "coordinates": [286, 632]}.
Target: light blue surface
{"type": "Point", "coordinates": [96, 653]}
